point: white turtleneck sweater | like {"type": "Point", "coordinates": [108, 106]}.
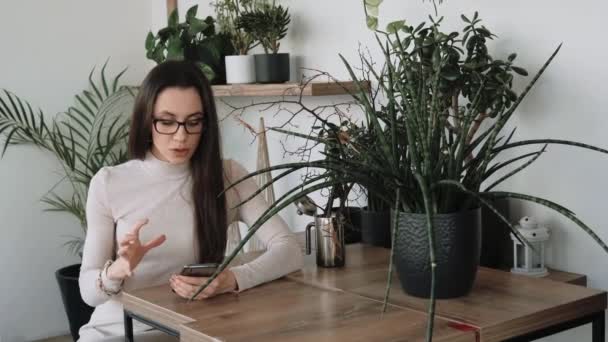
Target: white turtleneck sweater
{"type": "Point", "coordinates": [121, 195]}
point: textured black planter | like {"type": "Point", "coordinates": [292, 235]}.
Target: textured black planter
{"type": "Point", "coordinates": [458, 245]}
{"type": "Point", "coordinates": [376, 228]}
{"type": "Point", "coordinates": [272, 68]}
{"type": "Point", "coordinates": [79, 313]}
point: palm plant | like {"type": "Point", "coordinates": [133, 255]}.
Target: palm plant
{"type": "Point", "coordinates": [267, 23]}
{"type": "Point", "coordinates": [429, 155]}
{"type": "Point", "coordinates": [86, 137]}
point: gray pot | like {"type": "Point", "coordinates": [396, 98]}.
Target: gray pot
{"type": "Point", "coordinates": [457, 250]}
{"type": "Point", "coordinates": [272, 68]}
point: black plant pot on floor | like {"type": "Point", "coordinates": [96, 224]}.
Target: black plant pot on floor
{"type": "Point", "coordinates": [376, 228]}
{"type": "Point", "coordinates": [272, 68]}
{"type": "Point", "coordinates": [457, 250]}
{"type": "Point", "coordinates": [79, 313]}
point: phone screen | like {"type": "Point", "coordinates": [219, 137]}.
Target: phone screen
{"type": "Point", "coordinates": [199, 270]}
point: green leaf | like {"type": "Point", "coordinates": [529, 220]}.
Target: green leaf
{"type": "Point", "coordinates": [191, 14]}
{"type": "Point", "coordinates": [173, 19]}
{"type": "Point", "coordinates": [373, 11]}
{"type": "Point", "coordinates": [117, 79]}
{"type": "Point", "coordinates": [512, 57]}
{"type": "Point", "coordinates": [175, 49]}
{"type": "Point", "coordinates": [372, 23]}
{"type": "Point", "coordinates": [465, 18]}
{"type": "Point", "coordinates": [395, 26]}
{"type": "Point", "coordinates": [207, 70]}
{"type": "Point", "coordinates": [150, 41]}
{"type": "Point", "coordinates": [520, 71]}
{"type": "Point", "coordinates": [534, 155]}
{"type": "Point", "coordinates": [197, 26]}
{"type": "Point", "coordinates": [484, 32]}
{"type": "Point", "coordinates": [373, 3]}
{"type": "Point", "coordinates": [8, 140]}
{"type": "Point", "coordinates": [104, 83]}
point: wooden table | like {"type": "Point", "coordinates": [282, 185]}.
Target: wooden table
{"type": "Point", "coordinates": [344, 304]}
{"type": "Point", "coordinates": [501, 306]}
{"type": "Point", "coordinates": [282, 310]}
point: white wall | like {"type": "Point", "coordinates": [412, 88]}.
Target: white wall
{"type": "Point", "coordinates": [49, 49]}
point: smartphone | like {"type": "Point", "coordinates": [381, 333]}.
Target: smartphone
{"type": "Point", "coordinates": [199, 270]}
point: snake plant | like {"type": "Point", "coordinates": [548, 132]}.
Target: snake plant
{"type": "Point", "coordinates": [424, 149]}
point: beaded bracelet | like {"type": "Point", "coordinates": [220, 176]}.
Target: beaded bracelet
{"type": "Point", "coordinates": [100, 281]}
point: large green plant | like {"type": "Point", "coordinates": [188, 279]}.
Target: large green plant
{"type": "Point", "coordinates": [194, 40]}
{"type": "Point", "coordinates": [86, 137]}
{"type": "Point", "coordinates": [266, 22]}
{"type": "Point", "coordinates": [424, 150]}
{"type": "Point", "coordinates": [228, 14]}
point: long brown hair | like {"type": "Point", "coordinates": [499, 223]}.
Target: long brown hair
{"type": "Point", "coordinates": [206, 163]}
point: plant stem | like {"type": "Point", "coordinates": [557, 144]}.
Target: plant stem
{"type": "Point", "coordinates": [431, 234]}
{"type": "Point", "coordinates": [476, 125]}
{"type": "Point", "coordinates": [387, 291]}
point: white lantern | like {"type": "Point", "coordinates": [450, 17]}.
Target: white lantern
{"type": "Point", "coordinates": [528, 261]}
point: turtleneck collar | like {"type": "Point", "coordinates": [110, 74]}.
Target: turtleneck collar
{"type": "Point", "coordinates": [162, 168]}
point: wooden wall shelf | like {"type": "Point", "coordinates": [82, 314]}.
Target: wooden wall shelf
{"type": "Point", "coordinates": [288, 89]}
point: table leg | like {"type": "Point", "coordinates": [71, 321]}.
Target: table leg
{"type": "Point", "coordinates": [599, 327]}
{"type": "Point", "coordinates": [128, 327]}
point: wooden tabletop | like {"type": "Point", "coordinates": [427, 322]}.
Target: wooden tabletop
{"type": "Point", "coordinates": [501, 304]}
{"type": "Point", "coordinates": [284, 310]}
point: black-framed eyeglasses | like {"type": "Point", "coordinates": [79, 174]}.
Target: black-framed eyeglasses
{"type": "Point", "coordinates": [170, 126]}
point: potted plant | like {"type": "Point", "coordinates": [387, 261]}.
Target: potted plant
{"type": "Point", "coordinates": [194, 40]}
{"type": "Point", "coordinates": [86, 137]}
{"type": "Point", "coordinates": [329, 141]}
{"type": "Point", "coordinates": [240, 68]}
{"type": "Point", "coordinates": [267, 22]}
{"type": "Point", "coordinates": [432, 163]}
{"type": "Point", "coordinates": [375, 216]}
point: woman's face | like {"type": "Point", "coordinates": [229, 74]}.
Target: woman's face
{"type": "Point", "coordinates": [171, 141]}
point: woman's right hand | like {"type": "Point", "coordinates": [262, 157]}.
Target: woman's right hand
{"type": "Point", "coordinates": [131, 251]}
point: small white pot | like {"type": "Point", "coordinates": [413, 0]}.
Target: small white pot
{"type": "Point", "coordinates": [240, 69]}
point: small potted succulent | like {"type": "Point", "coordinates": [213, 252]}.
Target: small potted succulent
{"type": "Point", "coordinates": [240, 67]}
{"type": "Point", "coordinates": [267, 22]}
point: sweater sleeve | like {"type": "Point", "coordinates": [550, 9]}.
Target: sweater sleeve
{"type": "Point", "coordinates": [98, 244]}
{"type": "Point", "coordinates": [283, 254]}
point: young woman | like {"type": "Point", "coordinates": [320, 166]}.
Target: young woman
{"type": "Point", "coordinates": [162, 209]}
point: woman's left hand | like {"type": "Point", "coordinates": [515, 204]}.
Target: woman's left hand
{"type": "Point", "coordinates": [185, 286]}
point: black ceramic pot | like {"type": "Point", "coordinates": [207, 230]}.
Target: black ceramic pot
{"type": "Point", "coordinates": [457, 250]}
{"type": "Point", "coordinates": [272, 68]}
{"type": "Point", "coordinates": [78, 312]}
{"type": "Point", "coordinates": [376, 228]}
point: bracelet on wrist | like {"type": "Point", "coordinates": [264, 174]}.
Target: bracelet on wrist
{"type": "Point", "coordinates": [100, 284]}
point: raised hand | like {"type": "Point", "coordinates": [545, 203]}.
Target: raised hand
{"type": "Point", "coordinates": [131, 251]}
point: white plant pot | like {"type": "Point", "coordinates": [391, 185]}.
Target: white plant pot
{"type": "Point", "coordinates": [240, 69]}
